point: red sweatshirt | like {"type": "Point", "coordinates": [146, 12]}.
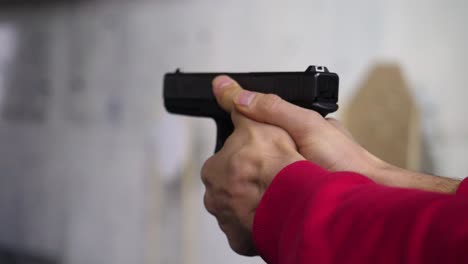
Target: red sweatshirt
{"type": "Point", "coordinates": [310, 215]}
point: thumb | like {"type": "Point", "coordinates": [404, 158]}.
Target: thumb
{"type": "Point", "coordinates": [271, 109]}
{"type": "Point", "coordinates": [225, 89]}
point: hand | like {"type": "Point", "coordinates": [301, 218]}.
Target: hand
{"type": "Point", "coordinates": [325, 141]}
{"type": "Point", "coordinates": [322, 141]}
{"type": "Point", "coordinates": [236, 177]}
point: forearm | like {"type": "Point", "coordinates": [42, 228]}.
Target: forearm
{"type": "Point", "coordinates": [311, 215]}
{"type": "Point", "coordinates": [393, 176]}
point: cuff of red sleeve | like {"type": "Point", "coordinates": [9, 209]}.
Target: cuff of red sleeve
{"type": "Point", "coordinates": [463, 187]}
{"type": "Point", "coordinates": [292, 185]}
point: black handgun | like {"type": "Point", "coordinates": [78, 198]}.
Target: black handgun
{"type": "Point", "coordinates": [191, 93]}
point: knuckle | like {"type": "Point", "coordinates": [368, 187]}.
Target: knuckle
{"type": "Point", "coordinates": [239, 162]}
{"type": "Point", "coordinates": [206, 171]}
{"type": "Point", "coordinates": [209, 204]}
{"type": "Point", "coordinates": [238, 192]}
{"type": "Point", "coordinates": [244, 168]}
{"type": "Point", "coordinates": [233, 166]}
{"type": "Point", "coordinates": [269, 103]}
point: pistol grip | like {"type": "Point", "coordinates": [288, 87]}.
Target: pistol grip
{"type": "Point", "coordinates": [225, 129]}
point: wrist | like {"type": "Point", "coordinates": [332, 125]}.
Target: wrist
{"type": "Point", "coordinates": [280, 162]}
{"type": "Point", "coordinates": [393, 176]}
{"type": "Point", "coordinates": [376, 169]}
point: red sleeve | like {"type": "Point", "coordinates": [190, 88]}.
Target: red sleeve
{"type": "Point", "coordinates": [309, 215]}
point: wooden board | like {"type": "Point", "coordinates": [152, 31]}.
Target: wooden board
{"type": "Point", "coordinates": [384, 118]}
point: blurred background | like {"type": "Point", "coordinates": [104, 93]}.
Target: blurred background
{"type": "Point", "coordinates": [92, 168]}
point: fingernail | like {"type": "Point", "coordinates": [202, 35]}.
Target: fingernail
{"type": "Point", "coordinates": [245, 98]}
{"type": "Point", "coordinates": [221, 82]}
